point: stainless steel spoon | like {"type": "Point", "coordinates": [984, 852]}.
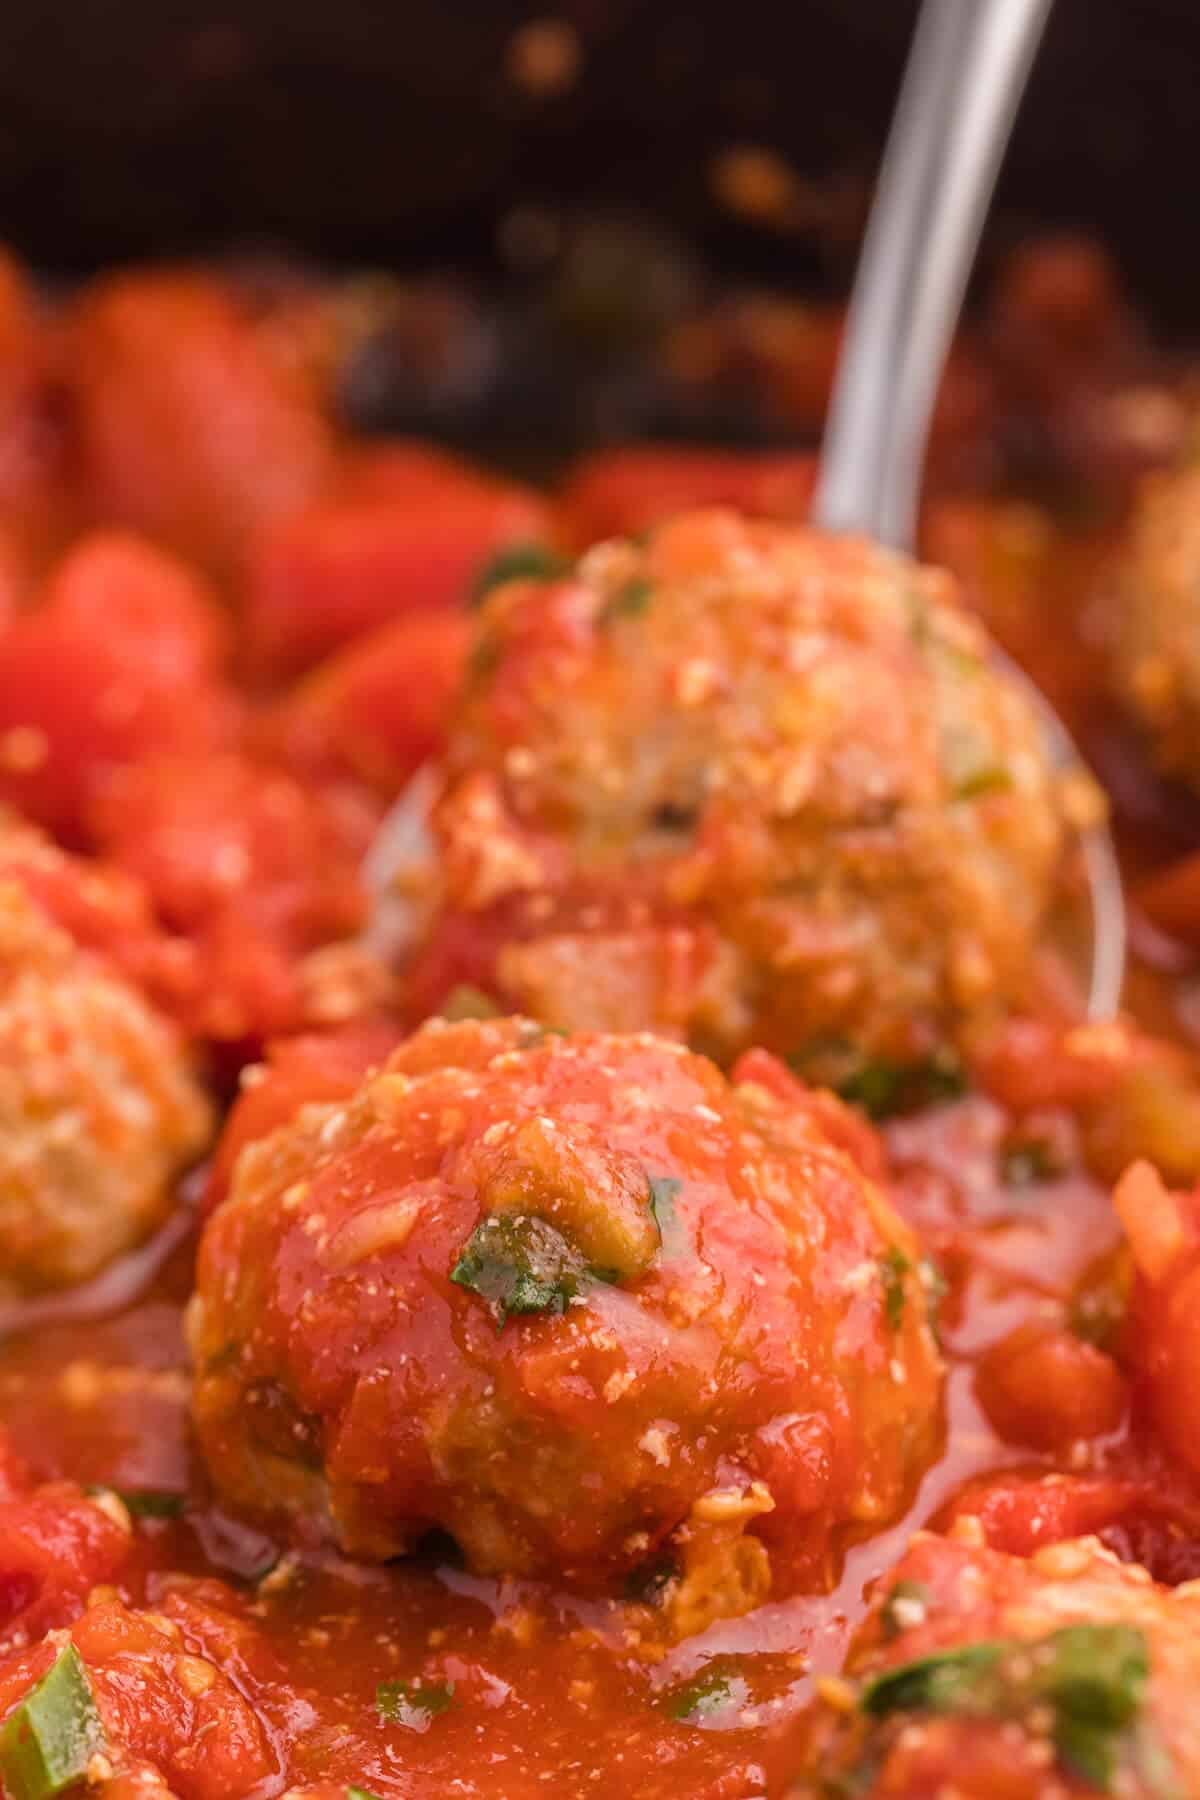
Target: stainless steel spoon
{"type": "Point", "coordinates": [962, 86]}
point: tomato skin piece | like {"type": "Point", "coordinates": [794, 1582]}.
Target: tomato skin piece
{"type": "Point", "coordinates": [622, 492]}
{"type": "Point", "coordinates": [347, 565]}
{"type": "Point", "coordinates": [183, 424]}
{"type": "Point", "coordinates": [377, 709]}
{"type": "Point", "coordinates": [55, 1545]}
{"type": "Point", "coordinates": [297, 1072]}
{"type": "Point", "coordinates": [122, 657]}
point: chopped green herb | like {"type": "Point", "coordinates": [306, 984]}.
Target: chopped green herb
{"type": "Point", "coordinates": [517, 562]}
{"type": "Point", "coordinates": [1027, 1161]}
{"type": "Point", "coordinates": [630, 600]}
{"type": "Point", "coordinates": [971, 766]}
{"type": "Point", "coordinates": [904, 1607]}
{"type": "Point", "coordinates": [359, 1793]}
{"type": "Point", "coordinates": [521, 1264]}
{"type": "Point", "coordinates": [647, 1585]}
{"type": "Point", "coordinates": [893, 1267]}
{"type": "Point", "coordinates": [1091, 1677]}
{"type": "Point", "coordinates": [712, 1692]}
{"type": "Point", "coordinates": [47, 1743]}
{"type": "Point", "coordinates": [663, 1192]}
{"type": "Point", "coordinates": [946, 1681]}
{"type": "Point", "coordinates": [467, 1002]}
{"type": "Point", "coordinates": [885, 1089]}
{"type": "Point", "coordinates": [413, 1704]}
{"type": "Point", "coordinates": [146, 1503]}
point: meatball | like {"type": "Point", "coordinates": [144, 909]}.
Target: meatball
{"type": "Point", "coordinates": [99, 1111]}
{"type": "Point", "coordinates": [988, 1676]}
{"type": "Point", "coordinates": [566, 1299]}
{"type": "Point", "coordinates": [1158, 653]}
{"type": "Point", "coordinates": [745, 783]}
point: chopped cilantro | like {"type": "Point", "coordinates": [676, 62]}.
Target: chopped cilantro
{"type": "Point", "coordinates": [893, 1267]}
{"type": "Point", "coordinates": [360, 1793]}
{"type": "Point", "coordinates": [521, 1264]}
{"type": "Point", "coordinates": [709, 1694]}
{"type": "Point", "coordinates": [47, 1743]}
{"type": "Point", "coordinates": [630, 600]}
{"type": "Point", "coordinates": [147, 1503]}
{"type": "Point", "coordinates": [1091, 1678]}
{"type": "Point", "coordinates": [516, 562]}
{"type": "Point", "coordinates": [467, 1002]}
{"type": "Point", "coordinates": [885, 1089]}
{"type": "Point", "coordinates": [413, 1704]}
{"type": "Point", "coordinates": [946, 1681]}
{"type": "Point", "coordinates": [904, 1605]}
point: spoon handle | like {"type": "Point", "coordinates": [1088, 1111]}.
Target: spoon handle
{"type": "Point", "coordinates": [962, 85]}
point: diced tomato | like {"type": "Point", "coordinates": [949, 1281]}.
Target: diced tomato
{"type": "Point", "coordinates": [1171, 899]}
{"type": "Point", "coordinates": [351, 563]}
{"type": "Point", "coordinates": [1047, 1388]}
{"type": "Point", "coordinates": [120, 659]}
{"type": "Point", "coordinates": [379, 708]}
{"type": "Point", "coordinates": [184, 425]}
{"type": "Point", "coordinates": [623, 492]}
{"type": "Point", "coordinates": [298, 1071]}
{"type": "Point", "coordinates": [55, 1545]}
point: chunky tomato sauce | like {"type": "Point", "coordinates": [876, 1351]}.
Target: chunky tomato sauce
{"type": "Point", "coordinates": [230, 633]}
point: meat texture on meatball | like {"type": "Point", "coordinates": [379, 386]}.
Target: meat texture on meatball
{"type": "Point", "coordinates": [994, 1677]}
{"type": "Point", "coordinates": [747, 783]}
{"type": "Point", "coordinates": [1158, 651]}
{"type": "Point", "coordinates": [99, 1108]}
{"type": "Point", "coordinates": [566, 1299]}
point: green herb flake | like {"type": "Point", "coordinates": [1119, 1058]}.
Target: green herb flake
{"type": "Point", "coordinates": [971, 766]}
{"type": "Point", "coordinates": [146, 1503]}
{"type": "Point", "coordinates": [712, 1693]}
{"type": "Point", "coordinates": [48, 1742]}
{"type": "Point", "coordinates": [518, 562]}
{"type": "Point", "coordinates": [904, 1608]}
{"type": "Point", "coordinates": [630, 600]}
{"type": "Point", "coordinates": [467, 1002]}
{"type": "Point", "coordinates": [945, 1682]}
{"type": "Point", "coordinates": [360, 1793]}
{"type": "Point", "coordinates": [893, 1267]}
{"type": "Point", "coordinates": [1091, 1678]}
{"type": "Point", "coordinates": [413, 1704]}
{"type": "Point", "coordinates": [521, 1264]}
{"type": "Point", "coordinates": [664, 1189]}
{"type": "Point", "coordinates": [886, 1090]}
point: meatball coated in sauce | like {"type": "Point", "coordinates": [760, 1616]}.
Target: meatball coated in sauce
{"type": "Point", "coordinates": [1158, 653]}
{"type": "Point", "coordinates": [992, 1677]}
{"type": "Point", "coordinates": [746, 783]}
{"type": "Point", "coordinates": [99, 1110]}
{"type": "Point", "coordinates": [564, 1298]}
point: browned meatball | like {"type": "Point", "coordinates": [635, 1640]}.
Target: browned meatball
{"type": "Point", "coordinates": [1158, 664]}
{"type": "Point", "coordinates": [996, 1678]}
{"type": "Point", "coordinates": [745, 782]}
{"type": "Point", "coordinates": [580, 1302]}
{"type": "Point", "coordinates": [99, 1111]}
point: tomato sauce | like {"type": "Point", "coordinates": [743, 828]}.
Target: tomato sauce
{"type": "Point", "coordinates": [300, 1667]}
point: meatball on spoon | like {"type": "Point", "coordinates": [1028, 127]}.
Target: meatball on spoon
{"type": "Point", "coordinates": [959, 96]}
{"type": "Point", "coordinates": [962, 86]}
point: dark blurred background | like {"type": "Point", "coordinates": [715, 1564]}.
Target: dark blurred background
{"type": "Point", "coordinates": [471, 132]}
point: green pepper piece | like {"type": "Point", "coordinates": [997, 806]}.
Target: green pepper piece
{"type": "Point", "coordinates": [47, 1743]}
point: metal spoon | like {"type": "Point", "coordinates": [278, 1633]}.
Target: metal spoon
{"type": "Point", "coordinates": [962, 85]}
